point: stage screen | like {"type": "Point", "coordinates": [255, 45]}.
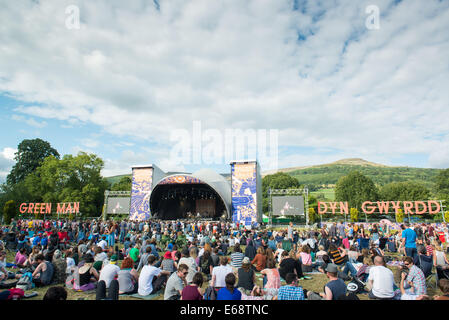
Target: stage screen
{"type": "Point", "coordinates": [118, 205]}
{"type": "Point", "coordinates": [288, 205]}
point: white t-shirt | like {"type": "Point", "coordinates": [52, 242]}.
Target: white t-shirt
{"type": "Point", "coordinates": [220, 274]}
{"type": "Point", "coordinates": [102, 244]}
{"type": "Point", "coordinates": [383, 281]}
{"type": "Point", "coordinates": [108, 273]}
{"type": "Point", "coordinates": [101, 256]}
{"type": "Point", "coordinates": [146, 279]}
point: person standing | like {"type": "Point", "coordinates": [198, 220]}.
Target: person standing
{"type": "Point", "coordinates": [409, 242]}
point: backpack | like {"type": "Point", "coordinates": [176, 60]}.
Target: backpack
{"type": "Point", "coordinates": [25, 282]}
{"type": "Point", "coordinates": [210, 294]}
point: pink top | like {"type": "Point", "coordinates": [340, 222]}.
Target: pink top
{"type": "Point", "coordinates": [306, 258]}
{"type": "Point", "coordinates": [273, 278]}
{"type": "Point", "coordinates": [20, 258]}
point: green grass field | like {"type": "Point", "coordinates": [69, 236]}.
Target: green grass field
{"type": "Point", "coordinates": [328, 193]}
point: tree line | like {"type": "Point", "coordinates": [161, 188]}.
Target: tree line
{"type": "Point", "coordinates": [41, 175]}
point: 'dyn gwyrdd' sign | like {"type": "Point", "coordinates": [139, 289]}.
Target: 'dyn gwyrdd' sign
{"type": "Point", "coordinates": [383, 207]}
{"type": "Point", "coordinates": [45, 208]}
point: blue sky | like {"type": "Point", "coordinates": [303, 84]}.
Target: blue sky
{"type": "Point", "coordinates": [136, 75]}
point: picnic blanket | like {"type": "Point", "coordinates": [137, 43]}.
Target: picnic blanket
{"type": "Point", "coordinates": [138, 296]}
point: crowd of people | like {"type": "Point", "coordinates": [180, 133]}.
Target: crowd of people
{"type": "Point", "coordinates": [210, 260]}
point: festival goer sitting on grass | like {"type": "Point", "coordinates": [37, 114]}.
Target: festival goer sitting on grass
{"type": "Point", "coordinates": [250, 250]}
{"type": "Point", "coordinates": [441, 262]}
{"type": "Point", "coordinates": [100, 255]}
{"type": "Point", "coordinates": [246, 276]}
{"type": "Point", "coordinates": [291, 291]}
{"type": "Point", "coordinates": [151, 279]}
{"type": "Point", "coordinates": [206, 264]}
{"type": "Point", "coordinates": [21, 258]}
{"type": "Point", "coordinates": [60, 267]}
{"type": "Point", "coordinates": [415, 282]}
{"type": "Point", "coordinates": [134, 254]}
{"type": "Point", "coordinates": [190, 262]}
{"type": "Point", "coordinates": [219, 273]}
{"type": "Point", "coordinates": [443, 285]}
{"type": "Point", "coordinates": [423, 261]}
{"type": "Point", "coordinates": [335, 254]}
{"type": "Point", "coordinates": [260, 260]}
{"type": "Point", "coordinates": [334, 289]}
{"type": "Point", "coordinates": [193, 291]}
{"type": "Point", "coordinates": [168, 264]}
{"type": "Point", "coordinates": [87, 275]}
{"type": "Point", "coordinates": [128, 278]}
{"type": "Point", "coordinates": [110, 271]}
{"type": "Point", "coordinates": [43, 273]}
{"type": "Point", "coordinates": [176, 283]}
{"type": "Point", "coordinates": [278, 252]}
{"type": "Point", "coordinates": [55, 294]}
{"type": "Point", "coordinates": [144, 258]}
{"type": "Point", "coordinates": [380, 281]}
{"type": "Point", "coordinates": [272, 278]}
{"type": "Point", "coordinates": [70, 261]}
{"type": "Point", "coordinates": [229, 292]}
{"type": "Point", "coordinates": [289, 264]}
{"type": "Point", "coordinates": [306, 258]}
{"type": "Point", "coordinates": [237, 258]}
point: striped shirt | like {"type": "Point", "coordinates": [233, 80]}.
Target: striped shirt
{"type": "Point", "coordinates": [237, 259]}
{"type": "Point", "coordinates": [290, 293]}
{"type": "Point", "coordinates": [335, 255]}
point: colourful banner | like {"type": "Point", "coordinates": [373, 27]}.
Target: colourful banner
{"type": "Point", "coordinates": [181, 179]}
{"type": "Point", "coordinates": [244, 192]}
{"type": "Point", "coordinates": [140, 194]}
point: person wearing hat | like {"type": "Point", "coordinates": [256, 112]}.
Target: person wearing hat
{"type": "Point", "coordinates": [334, 289]}
{"type": "Point", "coordinates": [110, 271]}
{"type": "Point", "coordinates": [87, 274]}
{"type": "Point", "coordinates": [168, 264]}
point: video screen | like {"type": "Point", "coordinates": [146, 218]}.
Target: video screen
{"type": "Point", "coordinates": [288, 205]}
{"type": "Point", "coordinates": [118, 205]}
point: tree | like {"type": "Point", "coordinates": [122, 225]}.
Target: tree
{"type": "Point", "coordinates": [404, 191]}
{"type": "Point", "coordinates": [354, 213]}
{"type": "Point", "coordinates": [29, 156]}
{"type": "Point", "coordinates": [400, 216]}
{"type": "Point", "coordinates": [9, 211]}
{"type": "Point", "coordinates": [124, 184]}
{"type": "Point", "coordinates": [442, 184]}
{"type": "Point", "coordinates": [71, 179]}
{"type": "Point", "coordinates": [355, 188]}
{"type": "Point", "coordinates": [312, 215]}
{"type": "Point", "coordinates": [278, 180]}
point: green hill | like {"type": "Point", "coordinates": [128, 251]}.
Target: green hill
{"type": "Point", "coordinates": [327, 175]}
{"type": "Point", "coordinates": [115, 179]}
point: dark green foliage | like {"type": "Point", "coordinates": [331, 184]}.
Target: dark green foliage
{"type": "Point", "coordinates": [30, 155]}
{"type": "Point", "coordinates": [9, 211]}
{"type": "Point", "coordinates": [404, 191]}
{"type": "Point", "coordinates": [355, 188]}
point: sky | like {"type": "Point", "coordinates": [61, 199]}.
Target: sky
{"type": "Point", "coordinates": [144, 82]}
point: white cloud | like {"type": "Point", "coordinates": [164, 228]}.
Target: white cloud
{"type": "Point", "coordinates": [6, 162]}
{"type": "Point", "coordinates": [136, 71]}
